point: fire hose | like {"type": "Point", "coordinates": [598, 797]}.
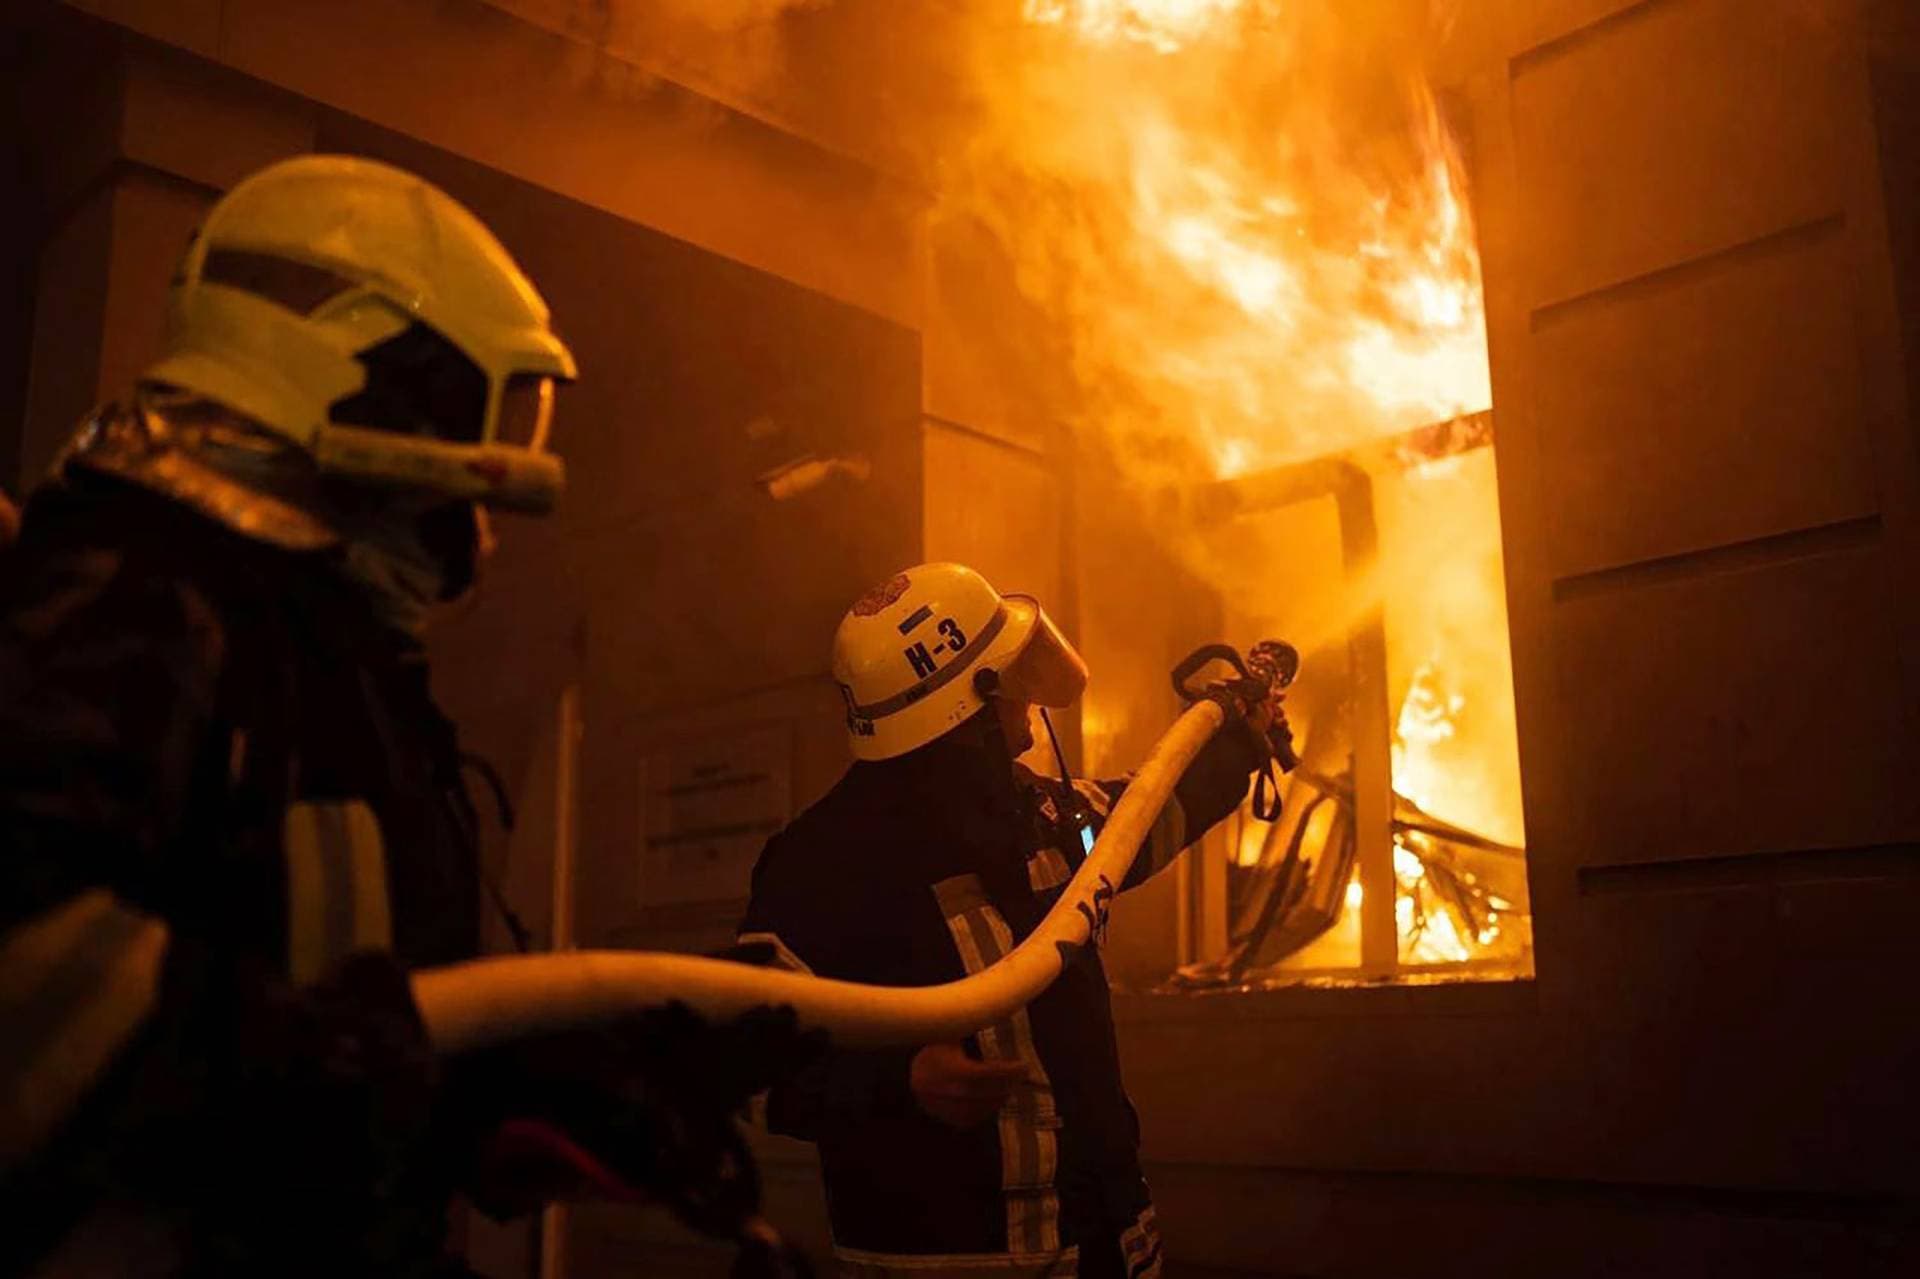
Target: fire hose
{"type": "Point", "coordinates": [488, 1001]}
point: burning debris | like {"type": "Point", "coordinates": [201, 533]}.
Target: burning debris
{"type": "Point", "coordinates": [1422, 572]}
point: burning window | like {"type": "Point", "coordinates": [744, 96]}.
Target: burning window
{"type": "Point", "coordinates": [1400, 854]}
{"type": "Point", "coordinates": [1245, 228]}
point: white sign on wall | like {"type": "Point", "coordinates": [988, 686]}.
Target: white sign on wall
{"type": "Point", "coordinates": [709, 805]}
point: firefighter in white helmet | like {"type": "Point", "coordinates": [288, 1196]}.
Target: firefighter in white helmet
{"type": "Point", "coordinates": [931, 858]}
{"type": "Point", "coordinates": [231, 816]}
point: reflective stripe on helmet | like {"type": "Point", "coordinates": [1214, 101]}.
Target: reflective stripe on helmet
{"type": "Point", "coordinates": [940, 678]}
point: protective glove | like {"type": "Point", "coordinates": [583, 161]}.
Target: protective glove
{"type": "Point", "coordinates": [525, 1164]}
{"type": "Point", "coordinates": [264, 1113]}
{"type": "Point", "coordinates": [643, 1109]}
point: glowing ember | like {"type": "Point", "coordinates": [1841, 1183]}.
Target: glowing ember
{"type": "Point", "coordinates": [1428, 933]}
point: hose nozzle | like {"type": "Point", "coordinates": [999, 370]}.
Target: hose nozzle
{"type": "Point", "coordinates": [1261, 679]}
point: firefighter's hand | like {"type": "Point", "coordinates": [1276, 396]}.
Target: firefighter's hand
{"type": "Point", "coordinates": [959, 1091]}
{"type": "Point", "coordinates": [1268, 720]}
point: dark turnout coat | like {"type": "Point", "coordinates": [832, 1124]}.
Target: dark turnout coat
{"type": "Point", "coordinates": [920, 870]}
{"type": "Point", "coordinates": [220, 777]}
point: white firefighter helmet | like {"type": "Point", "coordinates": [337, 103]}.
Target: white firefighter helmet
{"type": "Point", "coordinates": [910, 653]}
{"type": "Point", "coordinates": [369, 319]}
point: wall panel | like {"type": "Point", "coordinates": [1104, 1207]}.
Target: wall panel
{"type": "Point", "coordinates": [204, 123]}
{"type": "Point", "coordinates": [1712, 404]}
{"type": "Point", "coordinates": [1685, 127]}
{"type": "Point", "coordinates": [994, 507]}
{"type": "Point", "coordinates": [588, 126]}
{"type": "Point", "coordinates": [986, 363]}
{"type": "Point", "coordinates": [1750, 710]}
{"type": "Point", "coordinates": [154, 217]}
{"type": "Point", "coordinates": [1526, 25]}
{"type": "Point", "coordinates": [191, 24]}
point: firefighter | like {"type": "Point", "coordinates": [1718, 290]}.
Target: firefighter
{"type": "Point", "coordinates": [932, 857]}
{"type": "Point", "coordinates": [232, 818]}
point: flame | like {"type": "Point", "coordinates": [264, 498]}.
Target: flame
{"type": "Point", "coordinates": [1441, 759]}
{"type": "Point", "coordinates": [1252, 241]}
{"type": "Point", "coordinates": [1428, 717]}
{"type": "Point", "coordinates": [1163, 25]}
{"type": "Point", "coordinates": [1245, 229]}
{"type": "Point", "coordinates": [1427, 936]}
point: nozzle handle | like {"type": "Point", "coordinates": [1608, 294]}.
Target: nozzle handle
{"type": "Point", "coordinates": [1262, 676]}
{"type": "Point", "coordinates": [1197, 660]}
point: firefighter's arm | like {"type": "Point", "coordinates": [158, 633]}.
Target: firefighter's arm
{"type": "Point", "coordinates": [1212, 787]}
{"type": "Point", "coordinates": [643, 1109]}
{"type": "Point", "coordinates": [122, 998]}
{"type": "Point", "coordinates": [100, 688]}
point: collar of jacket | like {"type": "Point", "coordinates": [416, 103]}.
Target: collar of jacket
{"type": "Point", "coordinates": [966, 770]}
{"type": "Point", "coordinates": [958, 804]}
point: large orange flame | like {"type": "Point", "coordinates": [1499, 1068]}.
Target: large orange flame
{"type": "Point", "coordinates": [1254, 252]}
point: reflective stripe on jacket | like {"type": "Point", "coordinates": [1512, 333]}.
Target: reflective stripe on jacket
{"type": "Point", "coordinates": [230, 816]}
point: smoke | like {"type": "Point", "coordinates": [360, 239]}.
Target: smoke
{"type": "Point", "coordinates": [1210, 237]}
{"type": "Point", "coordinates": [1239, 228]}
{"type": "Point", "coordinates": [1244, 221]}
{"type": "Point", "coordinates": [1244, 234]}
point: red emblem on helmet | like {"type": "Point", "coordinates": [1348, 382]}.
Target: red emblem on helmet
{"type": "Point", "coordinates": [880, 596]}
{"type": "Point", "coordinates": [492, 471]}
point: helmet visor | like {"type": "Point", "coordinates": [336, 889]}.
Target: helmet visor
{"type": "Point", "coordinates": [1048, 670]}
{"type": "Point", "coordinates": [526, 411]}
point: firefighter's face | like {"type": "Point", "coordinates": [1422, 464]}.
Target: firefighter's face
{"type": "Point", "coordinates": [1016, 723]}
